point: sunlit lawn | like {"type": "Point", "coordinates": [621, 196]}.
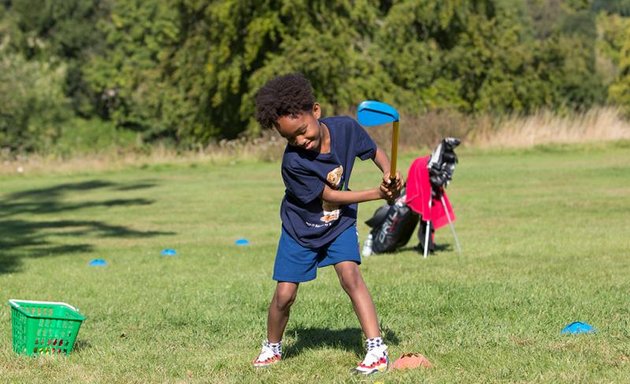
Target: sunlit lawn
{"type": "Point", "coordinates": [545, 236]}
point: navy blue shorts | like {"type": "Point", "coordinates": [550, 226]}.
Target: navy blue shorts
{"type": "Point", "coordinates": [297, 264]}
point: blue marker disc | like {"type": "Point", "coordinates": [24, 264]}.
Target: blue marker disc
{"type": "Point", "coordinates": [242, 242]}
{"type": "Point", "coordinates": [578, 327]}
{"type": "Point", "coordinates": [98, 263]}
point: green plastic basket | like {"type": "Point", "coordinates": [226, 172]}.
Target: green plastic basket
{"type": "Point", "coordinates": [44, 328]}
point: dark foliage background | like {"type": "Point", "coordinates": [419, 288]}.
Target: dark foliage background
{"type": "Point", "coordinates": [184, 72]}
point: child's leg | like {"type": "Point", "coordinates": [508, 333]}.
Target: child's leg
{"type": "Point", "coordinates": [279, 309]}
{"type": "Point", "coordinates": [352, 282]}
{"type": "Point", "coordinates": [376, 359]}
{"type": "Point", "coordinates": [277, 319]}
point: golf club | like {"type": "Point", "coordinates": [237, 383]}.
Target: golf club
{"type": "Point", "coordinates": [371, 113]}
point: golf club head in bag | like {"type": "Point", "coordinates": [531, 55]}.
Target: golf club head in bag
{"type": "Point", "coordinates": [441, 165]}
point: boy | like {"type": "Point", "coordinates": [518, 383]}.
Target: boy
{"type": "Point", "coordinates": [318, 211]}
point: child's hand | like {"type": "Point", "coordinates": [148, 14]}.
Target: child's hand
{"type": "Point", "coordinates": [390, 189]}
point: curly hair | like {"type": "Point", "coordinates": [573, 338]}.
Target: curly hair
{"type": "Point", "coordinates": [282, 96]}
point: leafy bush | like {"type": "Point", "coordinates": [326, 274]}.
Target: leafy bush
{"type": "Point", "coordinates": [615, 45]}
{"type": "Point", "coordinates": [79, 137]}
{"type": "Point", "coordinates": [33, 106]}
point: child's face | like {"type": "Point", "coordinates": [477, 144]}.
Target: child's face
{"type": "Point", "coordinates": [302, 130]}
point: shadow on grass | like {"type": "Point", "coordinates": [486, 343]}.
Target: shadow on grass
{"type": "Point", "coordinates": [347, 339]}
{"type": "Point", "coordinates": [81, 344]}
{"type": "Point", "coordinates": [34, 235]}
{"type": "Point", "coordinates": [418, 249]}
{"type": "Point", "coordinates": [436, 248]}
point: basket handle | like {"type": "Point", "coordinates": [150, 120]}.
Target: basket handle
{"type": "Point", "coordinates": [14, 303]}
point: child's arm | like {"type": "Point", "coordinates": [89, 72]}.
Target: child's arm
{"type": "Point", "coordinates": [349, 197]}
{"type": "Point", "coordinates": [382, 162]}
{"type": "Point", "coordinates": [386, 190]}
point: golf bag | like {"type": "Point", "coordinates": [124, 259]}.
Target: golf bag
{"type": "Point", "coordinates": [393, 225]}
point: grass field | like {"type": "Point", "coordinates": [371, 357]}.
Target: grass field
{"type": "Point", "coordinates": [545, 235]}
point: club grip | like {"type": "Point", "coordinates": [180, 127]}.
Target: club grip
{"type": "Point", "coordinates": [394, 155]}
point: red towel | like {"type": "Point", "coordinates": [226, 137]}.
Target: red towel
{"type": "Point", "coordinates": [419, 192]}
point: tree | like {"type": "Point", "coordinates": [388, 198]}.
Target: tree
{"type": "Point", "coordinates": [32, 104]}
{"type": "Point", "coordinates": [61, 32]}
{"type": "Point", "coordinates": [187, 71]}
{"type": "Point", "coordinates": [617, 38]}
{"type": "Point", "coordinates": [128, 76]}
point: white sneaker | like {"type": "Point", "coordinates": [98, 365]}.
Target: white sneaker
{"type": "Point", "coordinates": [266, 357]}
{"type": "Point", "coordinates": [375, 360]}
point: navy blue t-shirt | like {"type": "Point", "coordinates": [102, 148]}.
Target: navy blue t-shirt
{"type": "Point", "coordinates": [305, 217]}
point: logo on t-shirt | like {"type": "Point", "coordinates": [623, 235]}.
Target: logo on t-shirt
{"type": "Point", "coordinates": [332, 211]}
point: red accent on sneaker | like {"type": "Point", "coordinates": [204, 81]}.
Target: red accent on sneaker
{"type": "Point", "coordinates": [375, 364]}
{"type": "Point", "coordinates": [269, 361]}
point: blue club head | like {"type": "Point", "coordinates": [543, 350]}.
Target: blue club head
{"type": "Point", "coordinates": [372, 112]}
